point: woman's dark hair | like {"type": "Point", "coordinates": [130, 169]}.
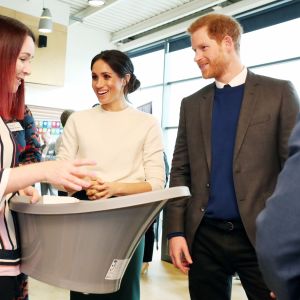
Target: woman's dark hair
{"type": "Point", "coordinates": [12, 36]}
{"type": "Point", "coordinates": [120, 64]}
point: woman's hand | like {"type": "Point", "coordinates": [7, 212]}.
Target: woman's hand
{"type": "Point", "coordinates": [31, 192]}
{"type": "Point", "coordinates": [100, 189]}
{"type": "Point", "coordinates": [70, 174]}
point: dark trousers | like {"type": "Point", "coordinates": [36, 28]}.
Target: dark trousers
{"type": "Point", "coordinates": [62, 193]}
{"type": "Point", "coordinates": [219, 250]}
{"type": "Point", "coordinates": [13, 287]}
{"type": "Point", "coordinates": [149, 243]}
{"type": "Point", "coordinates": [130, 285]}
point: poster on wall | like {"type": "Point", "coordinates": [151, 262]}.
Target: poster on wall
{"type": "Point", "coordinates": [147, 108]}
{"type": "Point", "coordinates": [52, 128]}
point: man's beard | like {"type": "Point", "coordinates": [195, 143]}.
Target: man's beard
{"type": "Point", "coordinates": [216, 68]}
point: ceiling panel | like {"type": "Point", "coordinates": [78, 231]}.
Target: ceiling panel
{"type": "Point", "coordinates": [128, 19]}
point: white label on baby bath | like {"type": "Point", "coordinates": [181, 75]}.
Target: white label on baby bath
{"type": "Point", "coordinates": [116, 269]}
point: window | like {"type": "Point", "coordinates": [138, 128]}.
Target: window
{"type": "Point", "coordinates": [174, 93]}
{"type": "Point", "coordinates": [285, 70]}
{"type": "Point", "coordinates": [153, 95]}
{"type": "Point", "coordinates": [271, 44]}
{"type": "Point", "coordinates": [149, 68]}
{"type": "Point", "coordinates": [272, 51]}
{"type": "Point", "coordinates": [180, 65]}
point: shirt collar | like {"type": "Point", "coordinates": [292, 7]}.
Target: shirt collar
{"type": "Point", "coordinates": [239, 79]}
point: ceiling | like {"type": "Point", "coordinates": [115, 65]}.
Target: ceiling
{"type": "Point", "coordinates": [129, 20]}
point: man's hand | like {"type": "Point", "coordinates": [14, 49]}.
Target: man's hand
{"type": "Point", "coordinates": [180, 254]}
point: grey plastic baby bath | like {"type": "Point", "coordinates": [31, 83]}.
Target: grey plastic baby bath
{"type": "Point", "coordinates": [86, 246]}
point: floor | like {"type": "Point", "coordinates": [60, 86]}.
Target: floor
{"type": "Point", "coordinates": [161, 282]}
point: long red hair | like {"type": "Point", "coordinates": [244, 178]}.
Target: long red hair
{"type": "Point", "coordinates": [12, 37]}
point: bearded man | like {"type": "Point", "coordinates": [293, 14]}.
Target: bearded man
{"type": "Point", "coordinates": [231, 144]}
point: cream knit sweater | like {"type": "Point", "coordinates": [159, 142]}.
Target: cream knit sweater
{"type": "Point", "coordinates": [127, 145]}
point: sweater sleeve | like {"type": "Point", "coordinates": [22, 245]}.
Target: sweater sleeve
{"type": "Point", "coordinates": [153, 157]}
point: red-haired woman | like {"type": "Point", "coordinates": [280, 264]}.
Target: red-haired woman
{"type": "Point", "coordinates": [16, 51]}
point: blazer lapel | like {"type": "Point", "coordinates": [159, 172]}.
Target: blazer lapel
{"type": "Point", "coordinates": [246, 112]}
{"type": "Point", "coordinates": [206, 105]}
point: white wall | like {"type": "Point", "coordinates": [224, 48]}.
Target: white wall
{"type": "Point", "coordinates": [82, 45]}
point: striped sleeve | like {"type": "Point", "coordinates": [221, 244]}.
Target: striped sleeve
{"type": "Point", "coordinates": [4, 175]}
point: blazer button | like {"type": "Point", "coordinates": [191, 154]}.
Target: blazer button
{"type": "Point", "coordinates": [208, 185]}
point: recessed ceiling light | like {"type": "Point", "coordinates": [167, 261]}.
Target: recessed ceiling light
{"type": "Point", "coordinates": [217, 7]}
{"type": "Point", "coordinates": [96, 2]}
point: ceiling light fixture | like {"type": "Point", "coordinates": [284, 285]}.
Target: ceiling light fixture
{"type": "Point", "coordinates": [96, 2]}
{"type": "Point", "coordinates": [217, 7]}
{"type": "Point", "coordinates": [45, 24]}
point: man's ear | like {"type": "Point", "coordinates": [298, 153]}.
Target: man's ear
{"type": "Point", "coordinates": [228, 42]}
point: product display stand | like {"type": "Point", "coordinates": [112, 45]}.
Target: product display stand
{"type": "Point", "coordinates": [85, 246]}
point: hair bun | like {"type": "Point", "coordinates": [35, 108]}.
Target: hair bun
{"type": "Point", "coordinates": [133, 84]}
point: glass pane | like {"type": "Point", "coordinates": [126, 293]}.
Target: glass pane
{"type": "Point", "coordinates": [180, 65]}
{"type": "Point", "coordinates": [143, 96]}
{"type": "Point", "coordinates": [271, 43]}
{"type": "Point", "coordinates": [149, 68]}
{"type": "Point", "coordinates": [169, 140]}
{"type": "Point", "coordinates": [288, 71]}
{"type": "Point", "coordinates": [175, 93]}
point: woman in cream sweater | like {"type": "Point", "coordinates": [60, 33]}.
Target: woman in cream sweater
{"type": "Point", "coordinates": [125, 143]}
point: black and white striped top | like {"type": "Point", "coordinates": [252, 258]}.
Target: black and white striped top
{"type": "Point", "coordinates": [9, 246]}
